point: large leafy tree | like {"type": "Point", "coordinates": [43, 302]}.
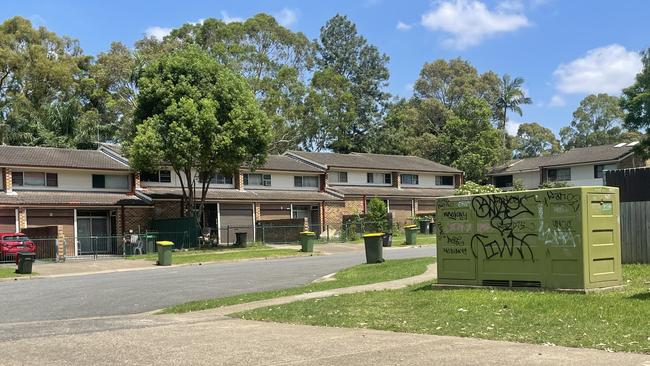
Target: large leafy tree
{"type": "Point", "coordinates": [342, 51]}
{"type": "Point", "coordinates": [510, 98]}
{"type": "Point", "coordinates": [273, 59]}
{"type": "Point", "coordinates": [636, 102]}
{"type": "Point", "coordinates": [43, 84]}
{"type": "Point", "coordinates": [200, 118]}
{"type": "Point", "coordinates": [534, 140]}
{"type": "Point", "coordinates": [596, 121]}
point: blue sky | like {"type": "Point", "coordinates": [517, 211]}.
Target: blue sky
{"type": "Point", "coordinates": [563, 49]}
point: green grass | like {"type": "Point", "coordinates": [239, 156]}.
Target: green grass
{"type": "Point", "coordinates": [10, 272]}
{"type": "Point", "coordinates": [400, 240]}
{"type": "Point", "coordinates": [617, 321]}
{"type": "Point", "coordinates": [223, 254]}
{"type": "Point", "coordinates": [358, 275]}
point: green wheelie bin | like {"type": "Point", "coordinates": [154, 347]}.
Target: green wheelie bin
{"type": "Point", "coordinates": [165, 252]}
{"type": "Point", "coordinates": [411, 234]}
{"type": "Point", "coordinates": [374, 249]}
{"type": "Point", "coordinates": [307, 239]}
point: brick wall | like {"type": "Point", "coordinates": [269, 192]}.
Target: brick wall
{"type": "Point", "coordinates": [7, 181]}
{"type": "Point", "coordinates": [238, 179]}
{"type": "Point", "coordinates": [167, 209]}
{"type": "Point", "coordinates": [396, 179]}
{"type": "Point", "coordinates": [335, 210]}
{"type": "Point", "coordinates": [135, 218]}
{"type": "Point", "coordinates": [22, 218]}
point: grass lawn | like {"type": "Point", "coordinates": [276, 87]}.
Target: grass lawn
{"type": "Point", "coordinates": [616, 321]}
{"type": "Point", "coordinates": [9, 272]}
{"type": "Point", "coordinates": [223, 254]}
{"type": "Point", "coordinates": [358, 275]}
{"type": "Point", "coordinates": [400, 240]}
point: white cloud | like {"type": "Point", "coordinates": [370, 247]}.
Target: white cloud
{"type": "Point", "coordinates": [557, 101]}
{"type": "Point", "coordinates": [157, 32]}
{"type": "Point", "coordinates": [403, 26]}
{"type": "Point", "coordinates": [286, 17]}
{"type": "Point", "coordinates": [227, 18]}
{"type": "Point", "coordinates": [512, 127]}
{"type": "Point", "coordinates": [606, 69]}
{"type": "Point", "coordinates": [469, 21]}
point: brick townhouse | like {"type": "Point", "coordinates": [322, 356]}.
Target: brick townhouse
{"type": "Point", "coordinates": [95, 193]}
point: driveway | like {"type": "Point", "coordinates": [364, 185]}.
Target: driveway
{"type": "Point", "coordinates": [133, 292]}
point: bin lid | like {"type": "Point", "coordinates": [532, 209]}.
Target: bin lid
{"type": "Point", "coordinates": [308, 232]}
{"type": "Point", "coordinates": [164, 242]}
{"type": "Point", "coordinates": [410, 226]}
{"type": "Point", "coordinates": [372, 235]}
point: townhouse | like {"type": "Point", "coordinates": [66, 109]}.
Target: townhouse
{"type": "Point", "coordinates": [94, 193]}
{"type": "Point", "coordinates": [87, 193]}
{"type": "Point", "coordinates": [408, 184]}
{"type": "Point", "coordinates": [576, 167]}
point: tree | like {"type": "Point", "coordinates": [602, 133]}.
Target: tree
{"type": "Point", "coordinates": [535, 140]}
{"type": "Point", "coordinates": [636, 102]}
{"type": "Point", "coordinates": [449, 82]}
{"type": "Point", "coordinates": [198, 117]}
{"type": "Point", "coordinates": [43, 80]}
{"type": "Point", "coordinates": [378, 214]}
{"type": "Point", "coordinates": [273, 59]}
{"type": "Point", "coordinates": [341, 50]}
{"type": "Point", "coordinates": [511, 96]}
{"type": "Point", "coordinates": [596, 121]}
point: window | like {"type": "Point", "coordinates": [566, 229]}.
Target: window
{"type": "Point", "coordinates": [161, 176]}
{"type": "Point", "coordinates": [503, 181]}
{"type": "Point", "coordinates": [412, 179]}
{"type": "Point", "coordinates": [339, 177]}
{"type": "Point", "coordinates": [558, 175]}
{"type": "Point", "coordinates": [34, 179]}
{"type": "Point", "coordinates": [220, 178]}
{"type": "Point", "coordinates": [99, 181]}
{"type": "Point", "coordinates": [305, 181]}
{"type": "Point", "coordinates": [447, 180]}
{"type": "Point", "coordinates": [379, 178]}
{"type": "Point", "coordinates": [598, 171]}
{"type": "Point", "coordinates": [257, 180]}
{"type": "Point", "coordinates": [111, 181]}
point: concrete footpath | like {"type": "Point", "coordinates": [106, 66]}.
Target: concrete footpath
{"type": "Point", "coordinates": [212, 338]}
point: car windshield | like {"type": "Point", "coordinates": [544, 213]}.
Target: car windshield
{"type": "Point", "coordinates": [15, 238]}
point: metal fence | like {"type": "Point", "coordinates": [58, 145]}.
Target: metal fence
{"type": "Point", "coordinates": [45, 250]}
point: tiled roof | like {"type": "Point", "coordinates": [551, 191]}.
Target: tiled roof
{"type": "Point", "coordinates": [575, 156]}
{"type": "Point", "coordinates": [285, 163]}
{"type": "Point", "coordinates": [250, 195]}
{"type": "Point", "coordinates": [70, 198]}
{"type": "Point", "coordinates": [49, 157]}
{"type": "Point", "coordinates": [392, 191]}
{"type": "Point", "coordinates": [374, 161]}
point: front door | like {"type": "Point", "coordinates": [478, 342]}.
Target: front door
{"type": "Point", "coordinates": [92, 235]}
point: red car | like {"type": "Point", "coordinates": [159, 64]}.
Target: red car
{"type": "Point", "coordinates": [12, 243]}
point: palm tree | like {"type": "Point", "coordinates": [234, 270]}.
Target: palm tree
{"type": "Point", "coordinates": [511, 96]}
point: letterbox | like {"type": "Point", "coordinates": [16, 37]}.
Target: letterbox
{"type": "Point", "coordinates": [562, 238]}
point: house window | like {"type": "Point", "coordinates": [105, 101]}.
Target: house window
{"type": "Point", "coordinates": [305, 181]}
{"type": "Point", "coordinates": [339, 177]}
{"type": "Point", "coordinates": [558, 175]}
{"type": "Point", "coordinates": [378, 178]}
{"type": "Point", "coordinates": [598, 171]}
{"type": "Point", "coordinates": [411, 179]}
{"type": "Point", "coordinates": [219, 178]}
{"type": "Point", "coordinates": [503, 181]}
{"type": "Point", "coordinates": [111, 181]}
{"type": "Point", "coordinates": [257, 180]}
{"type": "Point", "coordinates": [445, 180]}
{"type": "Point", "coordinates": [34, 179]}
{"type": "Point", "coordinates": [161, 176]}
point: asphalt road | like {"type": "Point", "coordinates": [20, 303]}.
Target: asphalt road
{"type": "Point", "coordinates": [135, 292]}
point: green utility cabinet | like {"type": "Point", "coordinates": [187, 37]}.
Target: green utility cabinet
{"type": "Point", "coordinates": [563, 238]}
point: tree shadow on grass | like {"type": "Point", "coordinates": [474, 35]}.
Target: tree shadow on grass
{"type": "Point", "coordinates": [641, 296]}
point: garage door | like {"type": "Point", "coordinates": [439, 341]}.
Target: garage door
{"type": "Point", "coordinates": [401, 210]}
{"type": "Point", "coordinates": [46, 217]}
{"type": "Point", "coordinates": [426, 206]}
{"type": "Point", "coordinates": [7, 220]}
{"type": "Point", "coordinates": [235, 218]}
{"type": "Point", "coordinates": [275, 211]}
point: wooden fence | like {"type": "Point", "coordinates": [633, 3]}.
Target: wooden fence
{"type": "Point", "coordinates": [635, 232]}
{"type": "Point", "coordinates": [634, 186]}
